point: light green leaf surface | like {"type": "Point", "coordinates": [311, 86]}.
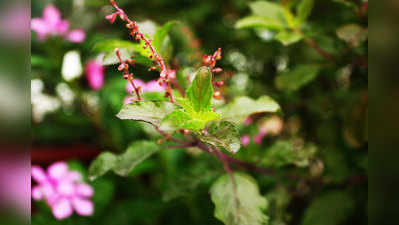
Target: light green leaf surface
{"type": "Point", "coordinates": [148, 111]}
{"type": "Point", "coordinates": [288, 37]}
{"type": "Point", "coordinates": [247, 208]}
{"type": "Point", "coordinates": [201, 90]}
{"type": "Point", "coordinates": [259, 22]}
{"type": "Point", "coordinates": [243, 106]}
{"type": "Point", "coordinates": [223, 134]}
{"type": "Point", "coordinates": [102, 164]}
{"type": "Point", "coordinates": [161, 35]}
{"type": "Point", "coordinates": [303, 10]}
{"type": "Point", "coordinates": [293, 80]}
{"type": "Point", "coordinates": [134, 155]}
{"type": "Point", "coordinates": [122, 164]}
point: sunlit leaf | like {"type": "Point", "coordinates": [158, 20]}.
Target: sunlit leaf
{"type": "Point", "coordinates": [243, 106]}
{"type": "Point", "coordinates": [259, 22]}
{"type": "Point", "coordinates": [222, 134]}
{"type": "Point", "coordinates": [304, 8]}
{"type": "Point", "coordinates": [148, 111]}
{"type": "Point", "coordinates": [200, 92]}
{"type": "Point", "coordinates": [102, 164]}
{"type": "Point", "coordinates": [246, 208]}
{"type": "Point", "coordinates": [288, 37]}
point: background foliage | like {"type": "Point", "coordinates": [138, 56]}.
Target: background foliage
{"type": "Point", "coordinates": [312, 61]}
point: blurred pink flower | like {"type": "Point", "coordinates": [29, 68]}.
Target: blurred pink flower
{"type": "Point", "coordinates": [150, 86]}
{"type": "Point", "coordinates": [248, 121]}
{"type": "Point", "coordinates": [52, 24]}
{"type": "Point", "coordinates": [259, 137]}
{"type": "Point", "coordinates": [95, 74]}
{"type": "Point", "coordinates": [245, 140]}
{"type": "Point", "coordinates": [63, 190]}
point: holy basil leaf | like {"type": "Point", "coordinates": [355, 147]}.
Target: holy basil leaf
{"type": "Point", "coordinates": [124, 163]}
{"type": "Point", "coordinates": [181, 119]}
{"type": "Point", "coordinates": [102, 164]}
{"type": "Point", "coordinates": [243, 106]}
{"type": "Point", "coordinates": [303, 9]}
{"type": "Point", "coordinates": [201, 90]}
{"type": "Point", "coordinates": [268, 9]}
{"type": "Point", "coordinates": [222, 134]}
{"type": "Point", "coordinates": [161, 34]}
{"type": "Point", "coordinates": [245, 208]}
{"type": "Point", "coordinates": [293, 80]}
{"type": "Point", "coordinates": [148, 111]}
{"type": "Point", "coordinates": [259, 22]}
{"type": "Point", "coordinates": [288, 37]}
{"type": "Point", "coordinates": [134, 155]}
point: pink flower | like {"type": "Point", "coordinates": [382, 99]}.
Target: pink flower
{"type": "Point", "coordinates": [95, 74]}
{"type": "Point", "coordinates": [63, 190]}
{"type": "Point", "coordinates": [245, 140]}
{"type": "Point", "coordinates": [76, 36]}
{"type": "Point", "coordinates": [248, 121]}
{"type": "Point", "coordinates": [258, 138]}
{"type": "Point", "coordinates": [150, 86]}
{"type": "Point", "coordinates": [51, 24]}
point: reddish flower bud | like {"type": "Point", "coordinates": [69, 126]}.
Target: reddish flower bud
{"type": "Point", "coordinates": [121, 67]}
{"type": "Point", "coordinates": [217, 95]}
{"type": "Point", "coordinates": [206, 60]}
{"type": "Point", "coordinates": [217, 70]}
{"type": "Point", "coordinates": [111, 17]}
{"type": "Point", "coordinates": [219, 83]}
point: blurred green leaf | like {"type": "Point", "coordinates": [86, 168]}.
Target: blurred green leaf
{"type": "Point", "coordinates": [259, 22]}
{"type": "Point", "coordinates": [222, 134]}
{"type": "Point", "coordinates": [136, 153]}
{"type": "Point", "coordinates": [148, 111]}
{"type": "Point", "coordinates": [161, 35]}
{"type": "Point", "coordinates": [124, 163]}
{"type": "Point", "coordinates": [102, 164]}
{"type": "Point", "coordinates": [293, 80]}
{"type": "Point", "coordinates": [288, 37]}
{"type": "Point", "coordinates": [246, 208]}
{"type": "Point", "coordinates": [243, 106]}
{"type": "Point", "coordinates": [353, 34]}
{"type": "Point", "coordinates": [287, 152]}
{"type": "Point", "coordinates": [331, 208]}
{"type": "Point", "coordinates": [303, 10]}
{"type": "Point", "coordinates": [111, 45]}
{"type": "Point", "coordinates": [268, 9]}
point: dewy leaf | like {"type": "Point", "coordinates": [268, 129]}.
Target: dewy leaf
{"type": "Point", "coordinates": [148, 111]}
{"type": "Point", "coordinates": [222, 134]}
{"type": "Point", "coordinates": [259, 22]}
{"type": "Point", "coordinates": [288, 37]}
{"type": "Point", "coordinates": [201, 90]}
{"type": "Point", "coordinates": [246, 208]}
{"type": "Point", "coordinates": [293, 80]}
{"type": "Point", "coordinates": [243, 106]}
{"type": "Point", "coordinates": [134, 155]}
{"type": "Point", "coordinates": [303, 9]}
{"type": "Point", "coordinates": [331, 208]}
{"type": "Point", "coordinates": [102, 164]}
{"type": "Point", "coordinates": [353, 34]}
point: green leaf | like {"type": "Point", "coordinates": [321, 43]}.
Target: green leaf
{"type": "Point", "coordinates": [181, 119]}
{"type": "Point", "coordinates": [134, 155]}
{"type": "Point", "coordinates": [222, 134]}
{"type": "Point", "coordinates": [102, 164]}
{"type": "Point", "coordinates": [332, 208]}
{"type": "Point", "coordinates": [124, 163]}
{"type": "Point", "coordinates": [110, 45]}
{"type": "Point", "coordinates": [200, 92]}
{"type": "Point", "coordinates": [268, 9]}
{"type": "Point", "coordinates": [353, 34]}
{"type": "Point", "coordinates": [288, 37]}
{"type": "Point", "coordinates": [161, 35]}
{"type": "Point", "coordinates": [148, 111]}
{"type": "Point", "coordinates": [243, 106]}
{"type": "Point", "coordinates": [259, 22]}
{"type": "Point", "coordinates": [246, 208]}
{"type": "Point", "coordinates": [293, 80]}
{"type": "Point", "coordinates": [303, 9]}
{"type": "Point", "coordinates": [287, 152]}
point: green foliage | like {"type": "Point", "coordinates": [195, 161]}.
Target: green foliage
{"type": "Point", "coordinates": [293, 80]}
{"type": "Point", "coordinates": [222, 134]}
{"type": "Point", "coordinates": [353, 34]}
{"type": "Point", "coordinates": [246, 208]}
{"type": "Point", "coordinates": [122, 164]}
{"type": "Point", "coordinates": [148, 111]}
{"type": "Point", "coordinates": [197, 111]}
{"type": "Point", "coordinates": [303, 9]}
{"type": "Point", "coordinates": [332, 208]}
{"type": "Point", "coordinates": [284, 153]}
{"type": "Point", "coordinates": [242, 107]}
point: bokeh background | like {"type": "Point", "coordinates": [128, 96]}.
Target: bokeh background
{"type": "Point", "coordinates": [322, 143]}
